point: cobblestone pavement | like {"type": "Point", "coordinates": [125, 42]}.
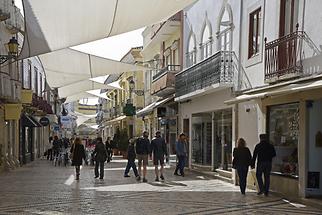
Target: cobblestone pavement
{"type": "Point", "coordinates": [41, 188]}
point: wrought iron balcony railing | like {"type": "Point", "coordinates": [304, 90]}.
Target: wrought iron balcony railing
{"type": "Point", "coordinates": [164, 70]}
{"type": "Point", "coordinates": [221, 68]}
{"type": "Point", "coordinates": [284, 56]}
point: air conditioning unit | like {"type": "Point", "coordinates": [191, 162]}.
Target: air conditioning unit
{"type": "Point", "coordinates": [5, 86]}
{"type": "Point", "coordinates": [16, 90]}
{"type": "Point", "coordinates": [5, 9]}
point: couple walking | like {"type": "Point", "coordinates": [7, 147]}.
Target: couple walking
{"type": "Point", "coordinates": [78, 155]}
{"type": "Point", "coordinates": [264, 152]}
{"type": "Point", "coordinates": [142, 149]}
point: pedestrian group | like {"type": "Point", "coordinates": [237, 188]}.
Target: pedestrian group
{"type": "Point", "coordinates": [142, 149]}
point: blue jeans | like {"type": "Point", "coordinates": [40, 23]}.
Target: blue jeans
{"type": "Point", "coordinates": [263, 168]}
{"type": "Point", "coordinates": [131, 164]}
{"type": "Point", "coordinates": [181, 164]}
{"type": "Point", "coordinates": [242, 174]}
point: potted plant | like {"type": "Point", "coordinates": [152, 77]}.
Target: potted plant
{"type": "Point", "coordinates": [124, 142]}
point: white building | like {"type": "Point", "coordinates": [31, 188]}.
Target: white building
{"type": "Point", "coordinates": [275, 90]}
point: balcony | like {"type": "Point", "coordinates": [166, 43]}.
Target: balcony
{"type": "Point", "coordinates": [163, 83]}
{"type": "Point", "coordinates": [5, 9]}
{"type": "Point", "coordinates": [220, 71]}
{"type": "Point", "coordinates": [15, 23]}
{"type": "Point", "coordinates": [285, 57]}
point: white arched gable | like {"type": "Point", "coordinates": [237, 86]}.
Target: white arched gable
{"type": "Point", "coordinates": [206, 30]}
{"type": "Point", "coordinates": [225, 27]}
{"type": "Point", "coordinates": [191, 49]}
{"type": "Point", "coordinates": [192, 42]}
{"type": "Point", "coordinates": [225, 17]}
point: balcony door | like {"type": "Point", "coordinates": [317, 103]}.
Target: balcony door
{"type": "Point", "coordinates": [287, 49]}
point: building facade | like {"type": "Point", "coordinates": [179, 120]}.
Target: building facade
{"type": "Point", "coordinates": [162, 52]}
{"type": "Point", "coordinates": [254, 63]}
{"type": "Point", "coordinates": [128, 93]}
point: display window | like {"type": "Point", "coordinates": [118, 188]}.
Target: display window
{"type": "Point", "coordinates": [283, 130]}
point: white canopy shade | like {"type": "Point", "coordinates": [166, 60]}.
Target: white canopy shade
{"type": "Point", "coordinates": [68, 66]}
{"type": "Point", "coordinates": [54, 25]}
{"type": "Point", "coordinates": [81, 86]}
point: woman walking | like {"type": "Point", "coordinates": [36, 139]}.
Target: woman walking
{"type": "Point", "coordinates": [242, 160]}
{"type": "Point", "coordinates": [77, 155]}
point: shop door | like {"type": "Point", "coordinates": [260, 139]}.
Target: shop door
{"type": "Point", "coordinates": [314, 132]}
{"type": "Point", "coordinates": [223, 139]}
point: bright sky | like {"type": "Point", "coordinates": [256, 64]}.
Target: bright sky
{"type": "Point", "coordinates": [113, 47]}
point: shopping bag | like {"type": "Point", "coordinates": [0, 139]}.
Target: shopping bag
{"type": "Point", "coordinates": [253, 174]}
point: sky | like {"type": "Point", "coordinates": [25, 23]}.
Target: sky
{"type": "Point", "coordinates": [113, 47]}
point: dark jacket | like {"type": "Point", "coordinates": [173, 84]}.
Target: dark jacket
{"type": "Point", "coordinates": [242, 157]}
{"type": "Point", "coordinates": [143, 146]}
{"type": "Point", "coordinates": [131, 152]}
{"type": "Point", "coordinates": [57, 144]}
{"type": "Point", "coordinates": [264, 152]}
{"type": "Point", "coordinates": [78, 154]}
{"type": "Point", "coordinates": [100, 153]}
{"type": "Point", "coordinates": [109, 147]}
{"type": "Point", "coordinates": [181, 148]}
{"type": "Point", "coordinates": [159, 147]}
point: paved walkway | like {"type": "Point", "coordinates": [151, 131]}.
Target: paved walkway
{"type": "Point", "coordinates": [41, 188]}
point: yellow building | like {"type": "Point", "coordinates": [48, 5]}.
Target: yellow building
{"type": "Point", "coordinates": [162, 51]}
{"type": "Point", "coordinates": [114, 117]}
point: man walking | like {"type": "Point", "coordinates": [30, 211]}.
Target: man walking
{"type": "Point", "coordinates": [264, 152]}
{"type": "Point", "coordinates": [181, 150]}
{"type": "Point", "coordinates": [100, 156]}
{"type": "Point", "coordinates": [131, 160]}
{"type": "Point", "coordinates": [142, 151]}
{"type": "Point", "coordinates": [159, 150]}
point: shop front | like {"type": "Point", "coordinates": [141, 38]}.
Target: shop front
{"type": "Point", "coordinates": [292, 120]}
{"type": "Point", "coordinates": [212, 140]}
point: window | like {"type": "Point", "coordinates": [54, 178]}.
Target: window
{"type": "Point", "coordinates": [36, 80]}
{"type": "Point", "coordinates": [254, 32]}
{"type": "Point", "coordinates": [283, 130]}
{"type": "Point", "coordinates": [191, 54]}
{"type": "Point", "coordinates": [40, 84]}
{"type": "Point", "coordinates": [27, 77]}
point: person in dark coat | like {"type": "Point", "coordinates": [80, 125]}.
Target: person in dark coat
{"type": "Point", "coordinates": [100, 156]}
{"type": "Point", "coordinates": [181, 151]}
{"type": "Point", "coordinates": [131, 155]}
{"type": "Point", "coordinates": [143, 149]}
{"type": "Point", "coordinates": [77, 155]}
{"type": "Point", "coordinates": [159, 151]}
{"type": "Point", "coordinates": [242, 161]}
{"type": "Point", "coordinates": [264, 152]}
{"type": "Point", "coordinates": [109, 149]}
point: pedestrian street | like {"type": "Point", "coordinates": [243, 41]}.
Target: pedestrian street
{"type": "Point", "coordinates": [41, 188]}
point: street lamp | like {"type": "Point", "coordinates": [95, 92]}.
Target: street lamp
{"type": "Point", "coordinates": [131, 85]}
{"type": "Point", "coordinates": [12, 50]}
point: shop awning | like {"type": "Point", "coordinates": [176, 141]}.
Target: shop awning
{"type": "Point", "coordinates": [283, 90]}
{"type": "Point", "coordinates": [148, 109]}
{"type": "Point", "coordinates": [117, 119]}
{"type": "Point", "coordinates": [29, 121]}
{"type": "Point", "coordinates": [54, 25]}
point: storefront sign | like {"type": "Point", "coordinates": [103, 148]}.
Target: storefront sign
{"type": "Point", "coordinates": [12, 111]}
{"type": "Point", "coordinates": [44, 121]}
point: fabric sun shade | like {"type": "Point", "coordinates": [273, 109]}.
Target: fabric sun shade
{"type": "Point", "coordinates": [54, 25]}
{"type": "Point", "coordinates": [68, 66]}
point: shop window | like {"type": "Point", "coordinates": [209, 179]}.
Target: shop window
{"type": "Point", "coordinates": [254, 32]}
{"type": "Point", "coordinates": [283, 130]}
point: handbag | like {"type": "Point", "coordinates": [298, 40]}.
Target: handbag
{"type": "Point", "coordinates": [71, 155]}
